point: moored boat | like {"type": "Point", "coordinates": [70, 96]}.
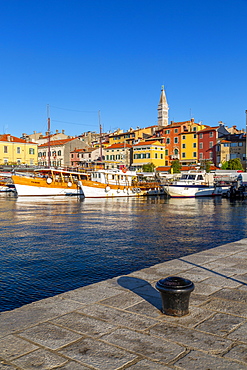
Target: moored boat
{"type": "Point", "coordinates": [48, 182]}
{"type": "Point", "coordinates": [117, 183]}
{"type": "Point", "coordinates": [193, 184]}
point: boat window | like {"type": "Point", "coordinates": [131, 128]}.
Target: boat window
{"type": "Point", "coordinates": [184, 177]}
{"type": "Point", "coordinates": [191, 177]}
{"type": "Point", "coordinates": [200, 177]}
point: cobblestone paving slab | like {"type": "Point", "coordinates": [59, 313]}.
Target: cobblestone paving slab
{"type": "Point", "coordinates": [12, 347]}
{"type": "Point", "coordinates": [204, 288]}
{"type": "Point", "coordinates": [191, 338]}
{"type": "Point", "coordinates": [98, 354]}
{"type": "Point", "coordinates": [231, 294]}
{"type": "Point", "coordinates": [145, 345]}
{"type": "Point", "coordinates": [49, 335]}
{"type": "Point", "coordinates": [122, 300]}
{"type": "Point", "coordinates": [34, 313]}
{"type": "Point", "coordinates": [239, 352]}
{"type": "Point", "coordinates": [117, 317]}
{"type": "Point", "coordinates": [233, 308]}
{"type": "Point", "coordinates": [240, 333]}
{"type": "Point", "coordinates": [147, 309]}
{"type": "Point", "coordinates": [201, 361]}
{"type": "Point", "coordinates": [41, 360]}
{"type": "Point", "coordinates": [4, 366]}
{"type": "Point", "coordinates": [148, 365]}
{"type": "Point", "coordinates": [72, 365]}
{"type": "Point", "coordinates": [84, 325]}
{"type": "Point", "coordinates": [220, 324]}
{"type": "Point", "coordinates": [196, 315]}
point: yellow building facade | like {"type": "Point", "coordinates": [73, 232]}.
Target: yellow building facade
{"type": "Point", "coordinates": [14, 150]}
{"type": "Point", "coordinates": [189, 143]}
{"type": "Point", "coordinates": [148, 152]}
{"type": "Point", "coordinates": [129, 137]}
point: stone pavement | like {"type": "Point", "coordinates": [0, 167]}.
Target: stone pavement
{"type": "Point", "coordinates": [117, 323]}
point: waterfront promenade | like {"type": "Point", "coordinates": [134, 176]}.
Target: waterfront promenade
{"type": "Point", "coordinates": [117, 323]}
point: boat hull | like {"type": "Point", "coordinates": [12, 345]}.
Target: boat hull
{"type": "Point", "coordinates": [97, 190]}
{"type": "Point", "coordinates": [192, 191]}
{"type": "Point", "coordinates": [39, 187]}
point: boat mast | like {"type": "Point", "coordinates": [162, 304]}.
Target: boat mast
{"type": "Point", "coordinates": [49, 138]}
{"type": "Point", "coordinates": [100, 137]}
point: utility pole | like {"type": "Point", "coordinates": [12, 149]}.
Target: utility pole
{"type": "Point", "coordinates": [246, 141]}
{"type": "Point", "coordinates": [49, 137]}
{"type": "Point", "coordinates": [100, 138]}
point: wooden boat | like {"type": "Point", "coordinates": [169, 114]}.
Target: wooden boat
{"type": "Point", "coordinates": [48, 182]}
{"type": "Point", "coordinates": [193, 184]}
{"type": "Point", "coordinates": [117, 183]}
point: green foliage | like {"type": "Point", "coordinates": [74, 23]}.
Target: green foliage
{"type": "Point", "coordinates": [232, 164]}
{"type": "Point", "coordinates": [205, 165]}
{"type": "Point", "coordinates": [149, 167]}
{"type": "Point", "coordinates": [175, 166]}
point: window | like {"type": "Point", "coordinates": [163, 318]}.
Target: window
{"type": "Point", "coordinates": [194, 145]}
{"type": "Point", "coordinates": [183, 137]}
{"type": "Point", "coordinates": [44, 154]}
{"type": "Point", "coordinates": [5, 149]}
{"type": "Point", "coordinates": [194, 154]}
{"type": "Point", "coordinates": [200, 136]}
{"type": "Point", "coordinates": [59, 152]}
{"type": "Point", "coordinates": [175, 140]}
{"type": "Point", "coordinates": [211, 144]}
{"type": "Point", "coordinates": [195, 136]}
{"type": "Point", "coordinates": [226, 144]}
{"type": "Point", "coordinates": [233, 156]}
{"type": "Point", "coordinates": [201, 156]}
{"type": "Point", "coordinates": [233, 144]}
{"type": "Point", "coordinates": [161, 156]}
{"type": "Point", "coordinates": [183, 146]}
{"type": "Point", "coordinates": [18, 150]}
{"type": "Point", "coordinates": [166, 152]}
{"type": "Point", "coordinates": [211, 134]}
{"type": "Point", "coordinates": [167, 140]}
{"type": "Point", "coordinates": [194, 128]}
{"type": "Point", "coordinates": [39, 154]}
{"type": "Point", "coordinates": [107, 157]}
{"type": "Point", "coordinates": [176, 151]}
{"type": "Point", "coordinates": [176, 130]}
{"type": "Point", "coordinates": [72, 155]}
{"type": "Point", "coordinates": [148, 155]}
{"type": "Point", "coordinates": [200, 145]}
{"type": "Point", "coordinates": [167, 132]}
{"type": "Point", "coordinates": [155, 155]}
{"type": "Point", "coordinates": [31, 150]}
{"type": "Point", "coordinates": [183, 155]}
{"type": "Point", "coordinates": [240, 144]}
{"type": "Point", "coordinates": [211, 155]}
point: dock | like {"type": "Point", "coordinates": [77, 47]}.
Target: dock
{"type": "Point", "coordinates": [117, 324]}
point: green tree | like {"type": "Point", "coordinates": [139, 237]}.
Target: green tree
{"type": "Point", "coordinates": [175, 167]}
{"type": "Point", "coordinates": [205, 165]}
{"type": "Point", "coordinates": [149, 167]}
{"type": "Point", "coordinates": [232, 164]}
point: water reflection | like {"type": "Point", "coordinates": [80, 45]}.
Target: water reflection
{"type": "Point", "coordinates": [52, 245]}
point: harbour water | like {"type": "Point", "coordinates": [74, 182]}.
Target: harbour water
{"type": "Point", "coordinates": [49, 246]}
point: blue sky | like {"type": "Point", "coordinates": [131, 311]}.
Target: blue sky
{"type": "Point", "coordinates": [113, 56]}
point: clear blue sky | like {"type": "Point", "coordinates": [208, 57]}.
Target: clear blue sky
{"type": "Point", "coordinates": [82, 56]}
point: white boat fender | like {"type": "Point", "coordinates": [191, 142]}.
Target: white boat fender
{"type": "Point", "coordinates": [49, 180]}
{"type": "Point", "coordinates": [79, 184]}
{"type": "Point", "coordinates": [107, 189]}
{"type": "Point", "coordinates": [69, 184]}
{"type": "Point", "coordinates": [133, 190]}
{"type": "Point", "coordinates": [138, 190]}
{"type": "Point", "coordinates": [118, 190]}
{"type": "Point", "coordinates": [124, 190]}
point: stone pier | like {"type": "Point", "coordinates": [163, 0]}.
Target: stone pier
{"type": "Point", "coordinates": [117, 324]}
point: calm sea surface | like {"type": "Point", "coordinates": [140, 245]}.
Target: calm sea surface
{"type": "Point", "coordinates": [49, 246]}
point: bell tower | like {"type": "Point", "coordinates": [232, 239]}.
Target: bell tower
{"type": "Point", "coordinates": [163, 109]}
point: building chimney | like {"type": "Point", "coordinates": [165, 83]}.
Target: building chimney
{"type": "Point", "coordinates": [8, 137]}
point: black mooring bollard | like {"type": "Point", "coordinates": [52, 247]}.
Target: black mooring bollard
{"type": "Point", "coordinates": [175, 294]}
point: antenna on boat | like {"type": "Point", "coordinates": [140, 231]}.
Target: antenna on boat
{"type": "Point", "coordinates": [49, 137]}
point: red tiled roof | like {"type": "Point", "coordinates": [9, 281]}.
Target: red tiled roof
{"type": "Point", "coordinates": [118, 146]}
{"type": "Point", "coordinates": [148, 143]}
{"type": "Point", "coordinates": [57, 142]}
{"type": "Point", "coordinates": [208, 129]}
{"type": "Point", "coordinates": [14, 139]}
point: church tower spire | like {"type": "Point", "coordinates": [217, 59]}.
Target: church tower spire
{"type": "Point", "coordinates": [163, 109]}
